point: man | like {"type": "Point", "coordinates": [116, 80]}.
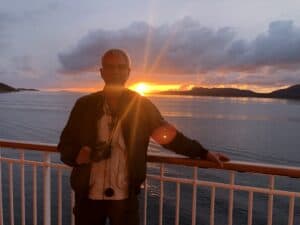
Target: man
{"type": "Point", "coordinates": [106, 140]}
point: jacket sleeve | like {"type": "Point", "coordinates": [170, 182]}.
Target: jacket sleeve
{"type": "Point", "coordinates": [186, 146]}
{"type": "Point", "coordinates": [154, 117]}
{"type": "Point", "coordinates": [69, 144]}
{"type": "Point", "coordinates": [179, 144]}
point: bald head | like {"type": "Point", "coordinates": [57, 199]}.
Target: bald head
{"type": "Point", "coordinates": [113, 56]}
{"type": "Point", "coordinates": [115, 67]}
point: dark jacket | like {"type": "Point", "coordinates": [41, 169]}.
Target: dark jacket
{"type": "Point", "coordinates": [139, 118]}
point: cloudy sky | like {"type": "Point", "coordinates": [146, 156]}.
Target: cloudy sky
{"type": "Point", "coordinates": [57, 44]}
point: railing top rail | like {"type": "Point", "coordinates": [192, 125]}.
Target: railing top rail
{"type": "Point", "coordinates": [43, 147]}
{"type": "Point", "coordinates": [240, 166]}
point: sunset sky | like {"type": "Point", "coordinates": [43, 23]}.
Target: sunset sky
{"type": "Point", "coordinates": [173, 44]}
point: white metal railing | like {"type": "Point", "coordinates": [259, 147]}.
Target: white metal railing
{"type": "Point", "coordinates": [46, 165]}
{"type": "Point", "coordinates": [232, 187]}
{"type": "Point", "coordinates": [158, 171]}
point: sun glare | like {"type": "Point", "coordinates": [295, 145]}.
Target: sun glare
{"type": "Point", "coordinates": [141, 88]}
{"type": "Point", "coordinates": [147, 88]}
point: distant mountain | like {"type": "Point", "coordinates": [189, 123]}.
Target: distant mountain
{"type": "Point", "coordinates": [6, 88]}
{"type": "Point", "coordinates": [292, 92]}
{"type": "Point", "coordinates": [222, 92]}
{"type": "Point", "coordinates": [27, 89]}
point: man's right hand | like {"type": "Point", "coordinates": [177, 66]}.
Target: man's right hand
{"type": "Point", "coordinates": [83, 156]}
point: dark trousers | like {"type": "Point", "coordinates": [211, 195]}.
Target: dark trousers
{"type": "Point", "coordinates": [96, 212]}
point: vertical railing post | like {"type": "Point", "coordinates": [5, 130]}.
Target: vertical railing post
{"type": "Point", "coordinates": [145, 201]}
{"type": "Point", "coordinates": [212, 205]}
{"type": "Point", "coordinates": [231, 198]}
{"type": "Point", "coordinates": [11, 193]}
{"type": "Point", "coordinates": [47, 189]}
{"type": "Point", "coordinates": [291, 210]}
{"type": "Point", "coordinates": [250, 208]}
{"type": "Point", "coordinates": [177, 203]}
{"type": "Point", "coordinates": [270, 200]}
{"type": "Point", "coordinates": [22, 175]}
{"type": "Point", "coordinates": [34, 195]}
{"type": "Point", "coordinates": [161, 199]}
{"type": "Point", "coordinates": [194, 200]}
{"type": "Point", "coordinates": [1, 205]}
{"type": "Point", "coordinates": [59, 197]}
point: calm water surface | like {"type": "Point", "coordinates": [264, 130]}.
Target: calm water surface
{"type": "Point", "coordinates": [265, 130]}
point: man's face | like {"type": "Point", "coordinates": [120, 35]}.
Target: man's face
{"type": "Point", "coordinates": [115, 70]}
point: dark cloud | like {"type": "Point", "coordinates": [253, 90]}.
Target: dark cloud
{"type": "Point", "coordinates": [188, 47]}
{"type": "Point", "coordinates": [277, 79]}
{"type": "Point", "coordinates": [278, 48]}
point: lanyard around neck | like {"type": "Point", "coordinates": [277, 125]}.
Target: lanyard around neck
{"type": "Point", "coordinates": [114, 122]}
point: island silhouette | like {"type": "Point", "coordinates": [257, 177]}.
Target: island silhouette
{"type": "Point", "coordinates": [292, 92]}
{"type": "Point", "coordinates": [4, 88]}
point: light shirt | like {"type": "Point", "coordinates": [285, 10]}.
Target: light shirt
{"type": "Point", "coordinates": [111, 172]}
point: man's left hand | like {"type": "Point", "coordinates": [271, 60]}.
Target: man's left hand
{"type": "Point", "coordinates": [217, 157]}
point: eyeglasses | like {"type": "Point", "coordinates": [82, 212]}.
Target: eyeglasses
{"type": "Point", "coordinates": [115, 66]}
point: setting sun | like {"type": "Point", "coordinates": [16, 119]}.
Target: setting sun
{"type": "Point", "coordinates": [141, 88]}
{"type": "Point", "coordinates": [146, 88]}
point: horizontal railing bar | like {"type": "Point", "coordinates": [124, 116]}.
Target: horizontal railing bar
{"type": "Point", "coordinates": [239, 166]}
{"type": "Point", "coordinates": [30, 162]}
{"type": "Point", "coordinates": [43, 147]}
{"type": "Point", "coordinates": [226, 186]}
